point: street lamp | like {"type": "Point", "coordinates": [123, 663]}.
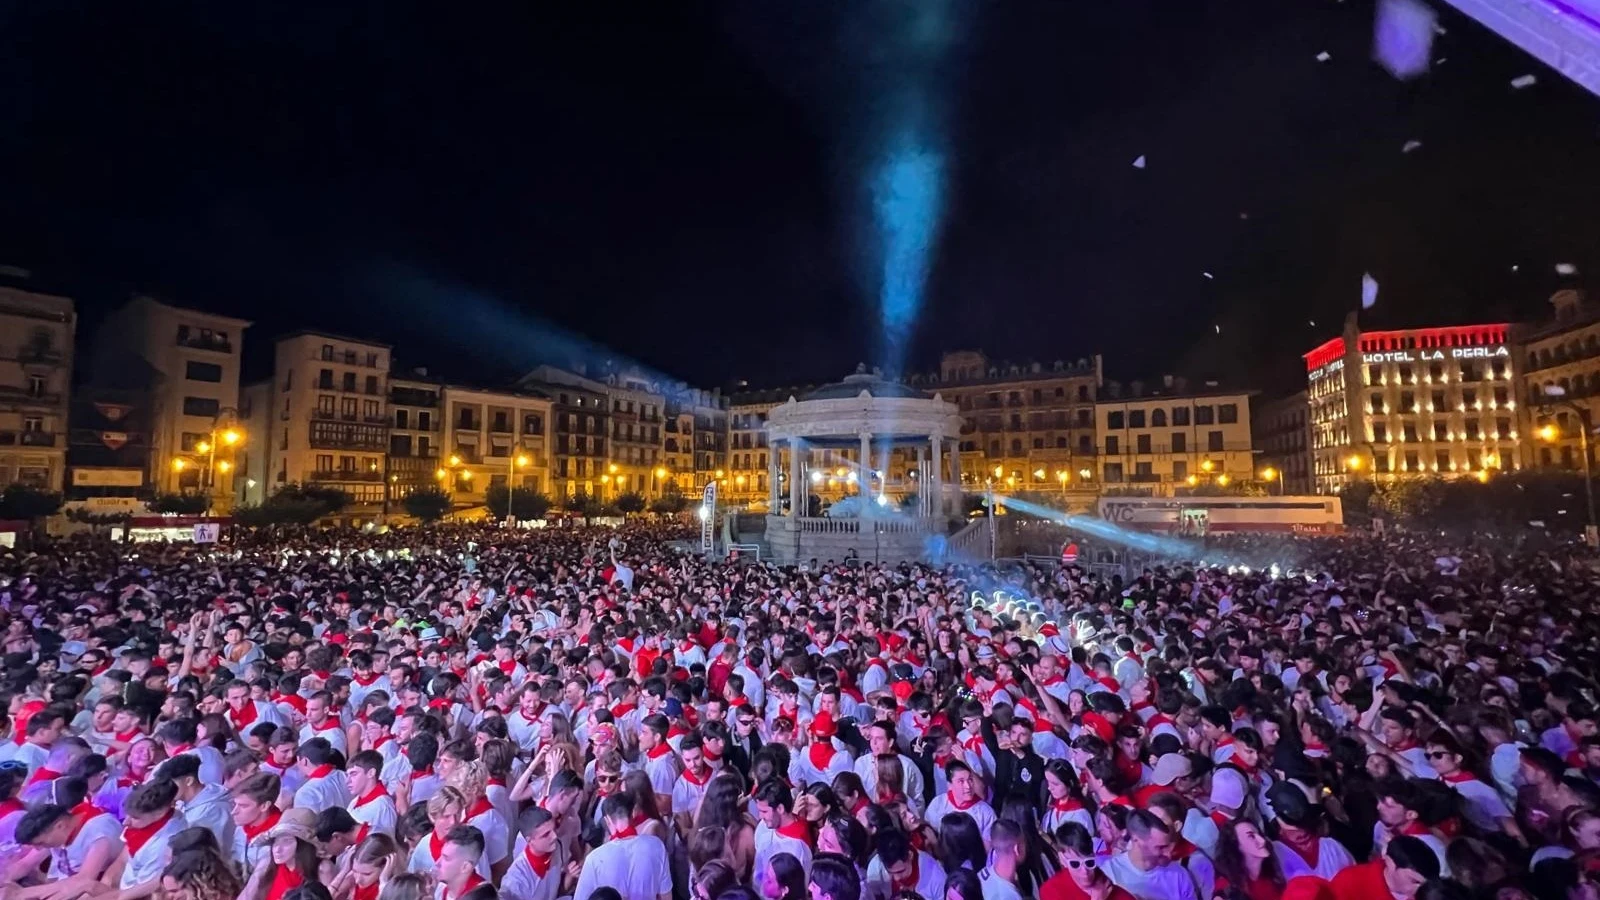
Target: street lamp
{"type": "Point", "coordinates": [1061, 476]}
{"type": "Point", "coordinates": [1085, 474]}
{"type": "Point", "coordinates": [1222, 480]}
{"type": "Point", "coordinates": [1269, 475]}
{"type": "Point", "coordinates": [1207, 465]}
{"type": "Point", "coordinates": [1354, 462]}
{"type": "Point", "coordinates": [1555, 395]}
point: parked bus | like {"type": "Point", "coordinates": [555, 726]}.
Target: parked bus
{"type": "Point", "coordinates": [1205, 515]}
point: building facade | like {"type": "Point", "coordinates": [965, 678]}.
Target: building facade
{"type": "Point", "coordinates": [1559, 361]}
{"type": "Point", "coordinates": [329, 419]}
{"type": "Point", "coordinates": [1412, 402]}
{"type": "Point", "coordinates": [36, 351]}
{"type": "Point", "coordinates": [1171, 439]}
{"type": "Point", "coordinates": [494, 439]}
{"type": "Point", "coordinates": [1283, 438]}
{"type": "Point", "coordinates": [1034, 424]}
{"type": "Point", "coordinates": [580, 407]}
{"type": "Point", "coordinates": [416, 434]}
{"type": "Point", "coordinates": [636, 432]}
{"type": "Point", "coordinates": [745, 478]}
{"type": "Point", "coordinates": [694, 440]}
{"type": "Point", "coordinates": [195, 397]}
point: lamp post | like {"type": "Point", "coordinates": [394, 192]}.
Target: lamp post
{"type": "Point", "coordinates": [518, 459]}
{"type": "Point", "coordinates": [1555, 395]}
{"type": "Point", "coordinates": [1061, 476]}
{"type": "Point", "coordinates": [1269, 475]}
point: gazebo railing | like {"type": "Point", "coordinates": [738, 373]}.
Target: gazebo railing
{"type": "Point", "coordinates": [887, 525]}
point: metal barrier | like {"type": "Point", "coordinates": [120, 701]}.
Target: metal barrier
{"type": "Point", "coordinates": [754, 551]}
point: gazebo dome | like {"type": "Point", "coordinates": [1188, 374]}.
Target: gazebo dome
{"type": "Point", "coordinates": [873, 383]}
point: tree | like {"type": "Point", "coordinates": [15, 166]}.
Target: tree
{"type": "Point", "coordinates": [630, 503]}
{"type": "Point", "coordinates": [670, 503]}
{"type": "Point", "coordinates": [181, 504]}
{"type": "Point", "coordinates": [293, 504]}
{"type": "Point", "coordinates": [428, 504]}
{"type": "Point", "coordinates": [527, 503]}
{"type": "Point", "coordinates": [21, 501]}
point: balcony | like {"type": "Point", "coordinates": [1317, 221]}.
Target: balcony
{"type": "Point", "coordinates": [205, 341]}
{"type": "Point", "coordinates": [27, 438]}
{"type": "Point", "coordinates": [344, 475]}
{"type": "Point", "coordinates": [40, 356]}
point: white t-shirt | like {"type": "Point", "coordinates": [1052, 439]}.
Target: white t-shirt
{"type": "Point", "coordinates": [1332, 858]}
{"type": "Point", "coordinates": [326, 792]}
{"type": "Point", "coordinates": [520, 881]}
{"type": "Point", "coordinates": [997, 888]}
{"type": "Point", "coordinates": [376, 816]}
{"type": "Point", "coordinates": [146, 863]}
{"type": "Point", "coordinates": [636, 867]}
{"type": "Point", "coordinates": [980, 811]}
{"type": "Point", "coordinates": [1168, 882]}
{"type": "Point", "coordinates": [1483, 805]}
{"type": "Point", "coordinates": [770, 842]}
{"type": "Point", "coordinates": [930, 877]}
{"type": "Point", "coordinates": [68, 861]}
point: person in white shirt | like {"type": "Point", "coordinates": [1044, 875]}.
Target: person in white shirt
{"type": "Point", "coordinates": [84, 841]}
{"type": "Point", "coordinates": [962, 797]}
{"type": "Point", "coordinates": [205, 805]}
{"type": "Point", "coordinates": [255, 811]}
{"type": "Point", "coordinates": [457, 869]}
{"type": "Point", "coordinates": [632, 864]}
{"type": "Point", "coordinates": [898, 866]}
{"type": "Point", "coordinates": [151, 822]}
{"type": "Point", "coordinates": [779, 830]}
{"type": "Point", "coordinates": [1007, 851]}
{"type": "Point", "coordinates": [323, 722]}
{"type": "Point", "coordinates": [44, 728]}
{"type": "Point", "coordinates": [178, 737]}
{"type": "Point", "coordinates": [538, 862]}
{"type": "Point", "coordinates": [325, 786]}
{"type": "Point", "coordinates": [881, 741]}
{"type": "Point", "coordinates": [1482, 803]}
{"type": "Point", "coordinates": [372, 807]}
{"type": "Point", "coordinates": [660, 763]}
{"type": "Point", "coordinates": [691, 785]}
{"type": "Point", "coordinates": [1146, 869]}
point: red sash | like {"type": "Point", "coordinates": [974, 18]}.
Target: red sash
{"type": "Point", "coordinates": [136, 838]}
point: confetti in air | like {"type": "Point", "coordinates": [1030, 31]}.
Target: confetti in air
{"type": "Point", "coordinates": [1402, 39]}
{"type": "Point", "coordinates": [1324, 56]}
{"type": "Point", "coordinates": [1524, 81]}
{"type": "Point", "coordinates": [1139, 163]}
{"type": "Point", "coordinates": [1369, 290]}
{"type": "Point", "coordinates": [1410, 146]}
{"type": "Point", "coordinates": [1566, 269]}
{"type": "Point", "coordinates": [1209, 276]}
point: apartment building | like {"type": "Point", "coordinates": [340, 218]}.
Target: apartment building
{"type": "Point", "coordinates": [1169, 438]}
{"type": "Point", "coordinates": [330, 417]}
{"type": "Point", "coordinates": [416, 434]}
{"type": "Point", "coordinates": [1282, 435]}
{"type": "Point", "coordinates": [194, 397]}
{"type": "Point", "coordinates": [745, 478]}
{"type": "Point", "coordinates": [1032, 423]}
{"type": "Point", "coordinates": [636, 422]}
{"type": "Point", "coordinates": [1559, 359]}
{"type": "Point", "coordinates": [36, 349]}
{"type": "Point", "coordinates": [1407, 402]}
{"type": "Point", "coordinates": [581, 410]}
{"type": "Point", "coordinates": [694, 440]}
{"type": "Point", "coordinates": [494, 439]}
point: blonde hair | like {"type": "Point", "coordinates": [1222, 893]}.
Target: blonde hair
{"type": "Point", "coordinates": [441, 802]}
{"type": "Point", "coordinates": [470, 778]}
{"type": "Point", "coordinates": [406, 886]}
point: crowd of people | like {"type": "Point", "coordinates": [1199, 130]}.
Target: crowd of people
{"type": "Point", "coordinates": [470, 712]}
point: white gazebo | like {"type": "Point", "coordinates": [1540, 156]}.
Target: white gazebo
{"type": "Point", "coordinates": [871, 418]}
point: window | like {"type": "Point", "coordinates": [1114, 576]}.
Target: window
{"type": "Point", "coordinates": [1501, 396]}
{"type": "Point", "coordinates": [1410, 433]}
{"type": "Point", "coordinates": [1228, 414]}
{"type": "Point", "coordinates": [325, 379]}
{"type": "Point", "coordinates": [1408, 402]}
{"type": "Point", "coordinates": [1405, 374]}
{"type": "Point", "coordinates": [464, 418]}
{"type": "Point", "coordinates": [532, 424]}
{"type": "Point", "coordinates": [1471, 372]}
{"type": "Point", "coordinates": [36, 385]}
{"type": "Point", "coordinates": [1158, 418]}
{"type": "Point", "coordinates": [1377, 404]}
{"type": "Point", "coordinates": [1038, 443]}
{"type": "Point", "coordinates": [401, 418]}
{"type": "Point", "coordinates": [502, 421]}
{"type": "Point", "coordinates": [1016, 446]}
{"type": "Point", "coordinates": [1113, 472]}
{"type": "Point", "coordinates": [1180, 416]}
{"type": "Point", "coordinates": [1111, 444]}
{"type": "Point", "coordinates": [347, 463]}
{"type": "Point", "coordinates": [1469, 398]}
{"type": "Point", "coordinates": [1085, 444]}
{"type": "Point", "coordinates": [1441, 460]}
{"type": "Point", "coordinates": [202, 371]}
{"type": "Point", "coordinates": [1038, 395]}
{"type": "Point", "coordinates": [1374, 375]}
{"type": "Point", "coordinates": [1502, 429]}
{"type": "Point", "coordinates": [1413, 464]}
{"type": "Point", "coordinates": [1061, 443]}
{"type": "Point", "coordinates": [1472, 429]}
{"type": "Point", "coordinates": [372, 384]}
{"type": "Point", "coordinates": [1083, 393]}
{"type": "Point", "coordinates": [348, 382]}
{"type": "Point", "coordinates": [369, 409]}
{"type": "Point", "coordinates": [372, 360]}
{"type": "Point", "coordinates": [1213, 441]}
{"type": "Point", "coordinates": [327, 354]}
{"type": "Point", "coordinates": [200, 406]}
{"type": "Point", "coordinates": [188, 440]}
{"type": "Point", "coordinates": [1142, 442]}
{"type": "Point", "coordinates": [1438, 401]}
{"type": "Point", "coordinates": [1380, 433]}
{"type": "Point", "coordinates": [325, 460]}
{"type": "Point", "coordinates": [424, 421]}
{"type": "Point", "coordinates": [1180, 442]}
{"type": "Point", "coordinates": [1143, 470]}
{"type": "Point", "coordinates": [1474, 460]}
{"type": "Point", "coordinates": [1136, 418]}
{"type": "Point", "coordinates": [1180, 469]}
{"type": "Point", "coordinates": [1083, 418]}
{"type": "Point", "coordinates": [1435, 371]}
{"type": "Point", "coordinates": [347, 408]}
{"type": "Point", "coordinates": [1441, 431]}
{"type": "Point", "coordinates": [1204, 415]}
{"type": "Point", "coordinates": [1380, 462]}
{"type": "Point", "coordinates": [1114, 420]}
{"type": "Point", "coordinates": [1061, 393]}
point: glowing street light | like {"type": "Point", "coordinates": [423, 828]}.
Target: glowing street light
{"type": "Point", "coordinates": [1354, 462]}
{"type": "Point", "coordinates": [1269, 475]}
{"type": "Point", "coordinates": [231, 436]}
{"type": "Point", "coordinates": [439, 474]}
{"type": "Point", "coordinates": [1549, 433]}
{"type": "Point", "coordinates": [178, 465]}
{"type": "Point", "coordinates": [203, 447]}
{"type": "Point", "coordinates": [1207, 465]}
{"type": "Point", "coordinates": [999, 471]}
{"type": "Point", "coordinates": [1193, 480]}
{"type": "Point", "coordinates": [1222, 480]}
{"type": "Point", "coordinates": [455, 460]}
{"type": "Point", "coordinates": [224, 466]}
{"type": "Point", "coordinates": [1038, 474]}
{"type": "Point", "coordinates": [1085, 474]}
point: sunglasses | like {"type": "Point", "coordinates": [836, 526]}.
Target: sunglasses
{"type": "Point", "coordinates": [1082, 864]}
{"type": "Point", "coordinates": [1437, 754]}
{"type": "Point", "coordinates": [607, 778]}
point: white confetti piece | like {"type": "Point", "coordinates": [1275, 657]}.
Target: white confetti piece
{"type": "Point", "coordinates": [1312, 322]}
{"type": "Point", "coordinates": [1524, 81]}
{"type": "Point", "coordinates": [1209, 276]}
{"type": "Point", "coordinates": [1410, 146]}
{"type": "Point", "coordinates": [1369, 290]}
{"type": "Point", "coordinates": [1139, 163]}
{"type": "Point", "coordinates": [1566, 269]}
{"type": "Point", "coordinates": [1324, 56]}
{"type": "Point", "coordinates": [1219, 328]}
{"type": "Point", "coordinates": [1515, 268]}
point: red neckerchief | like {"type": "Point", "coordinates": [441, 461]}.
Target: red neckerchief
{"type": "Point", "coordinates": [332, 725]}
{"type": "Point", "coordinates": [243, 718]}
{"type": "Point", "coordinates": [1458, 777]}
{"type": "Point", "coordinates": [435, 844]}
{"type": "Point", "coordinates": [697, 780]}
{"type": "Point", "coordinates": [367, 680]}
{"type": "Point", "coordinates": [322, 771]}
{"type": "Point", "coordinates": [377, 792]}
{"type": "Point", "coordinates": [382, 739]}
{"type": "Point", "coordinates": [422, 773]}
{"type": "Point", "coordinates": [799, 830]}
{"type": "Point", "coordinates": [1066, 805]}
{"type": "Point", "coordinates": [820, 760]}
{"type": "Point", "coordinates": [99, 670]}
{"type": "Point", "coordinates": [712, 758]}
{"type": "Point", "coordinates": [625, 833]}
{"type": "Point", "coordinates": [284, 880]}
{"type": "Point", "coordinates": [951, 797]}
{"type": "Point", "coordinates": [440, 703]}
{"type": "Point", "coordinates": [370, 892]}
{"type": "Point", "coordinates": [539, 863]}
{"type": "Point", "coordinates": [296, 702]}
{"type": "Point", "coordinates": [86, 812]}
{"type": "Point", "coordinates": [322, 674]}
{"type": "Point", "coordinates": [1415, 829]}
{"type": "Point", "coordinates": [676, 730]}
{"type": "Point", "coordinates": [659, 750]}
{"type": "Point", "coordinates": [43, 773]}
{"type": "Point", "coordinates": [1306, 845]}
{"type": "Point", "coordinates": [495, 782]}
{"type": "Point", "coordinates": [136, 838]}
{"type": "Point", "coordinates": [508, 666]}
{"type": "Point", "coordinates": [861, 803]}
{"type": "Point", "coordinates": [909, 883]}
{"type": "Point", "coordinates": [1157, 720]}
{"type": "Point", "coordinates": [620, 710]}
{"type": "Point", "coordinates": [1403, 746]}
{"type": "Point", "coordinates": [472, 881]}
{"type": "Point", "coordinates": [481, 806]}
{"type": "Point", "coordinates": [127, 737]}
{"type": "Point", "coordinates": [1110, 683]}
{"type": "Point", "coordinates": [181, 749]}
{"type": "Point", "coordinates": [7, 807]}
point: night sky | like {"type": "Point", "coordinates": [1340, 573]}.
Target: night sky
{"type": "Point", "coordinates": [487, 185]}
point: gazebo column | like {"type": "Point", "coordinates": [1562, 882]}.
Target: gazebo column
{"type": "Point", "coordinates": [864, 477]}
{"type": "Point", "coordinates": [772, 476]}
{"type": "Point", "coordinates": [797, 480]}
{"type": "Point", "coordinates": [955, 473]}
{"type": "Point", "coordinates": [936, 482]}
